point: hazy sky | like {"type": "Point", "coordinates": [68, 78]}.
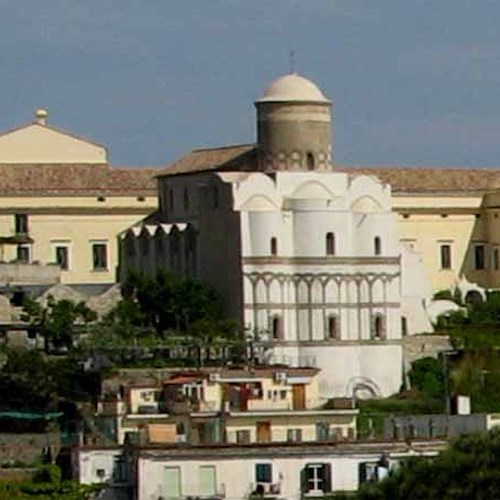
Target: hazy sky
{"type": "Point", "coordinates": [414, 82]}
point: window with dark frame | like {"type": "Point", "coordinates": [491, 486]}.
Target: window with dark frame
{"type": "Point", "coordinates": [21, 223]}
{"type": "Point", "coordinates": [263, 473]}
{"type": "Point", "coordinates": [333, 333]}
{"type": "Point", "coordinates": [377, 245]}
{"type": "Point", "coordinates": [274, 246]}
{"type": "Point", "coordinates": [62, 256]}
{"type": "Point", "coordinates": [276, 327]}
{"type": "Point", "coordinates": [330, 244]}
{"type": "Point", "coordinates": [99, 256]}
{"type": "Point", "coordinates": [496, 259]}
{"type": "Point", "coordinates": [23, 254]}
{"type": "Point", "coordinates": [479, 257]}
{"type": "Point", "coordinates": [316, 478]}
{"type": "Point", "coordinates": [294, 435]}
{"type": "Point", "coordinates": [445, 250]}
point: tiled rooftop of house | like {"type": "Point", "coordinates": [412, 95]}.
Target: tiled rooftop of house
{"type": "Point", "coordinates": [402, 179]}
{"type": "Point", "coordinates": [75, 180]}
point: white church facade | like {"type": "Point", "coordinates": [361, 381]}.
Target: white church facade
{"type": "Point", "coordinates": [306, 257]}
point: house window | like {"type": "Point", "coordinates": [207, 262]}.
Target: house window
{"type": "Point", "coordinates": [263, 473]}
{"type": "Point", "coordinates": [276, 329]}
{"type": "Point", "coordinates": [310, 161]}
{"type": "Point", "coordinates": [479, 253]}
{"type": "Point", "coordinates": [243, 437]}
{"type": "Point", "coordinates": [445, 251]}
{"type": "Point", "coordinates": [208, 483]}
{"type": "Point", "coordinates": [404, 326]}
{"type": "Point", "coordinates": [23, 253]}
{"type": "Point", "coordinates": [496, 259]}
{"type": "Point", "coordinates": [377, 245]}
{"type": "Point", "coordinates": [333, 332]}
{"type": "Point", "coordinates": [378, 328]}
{"type": "Point", "coordinates": [330, 244]}
{"type": "Point", "coordinates": [99, 256]}
{"type": "Point", "coordinates": [185, 198]}
{"type": "Point", "coordinates": [317, 478]}
{"type": "Point", "coordinates": [172, 482]}
{"type": "Point", "coordinates": [62, 256]}
{"type": "Point", "coordinates": [21, 223]}
{"type": "Point", "coordinates": [274, 246]}
{"type": "Point", "coordinates": [294, 435]}
{"type": "Point", "coordinates": [120, 472]}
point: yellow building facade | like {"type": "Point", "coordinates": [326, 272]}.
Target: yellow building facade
{"type": "Point", "coordinates": [62, 203]}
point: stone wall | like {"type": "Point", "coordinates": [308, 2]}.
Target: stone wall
{"type": "Point", "coordinates": [421, 346]}
{"type": "Point", "coordinates": [27, 447]}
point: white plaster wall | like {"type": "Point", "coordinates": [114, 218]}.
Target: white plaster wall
{"type": "Point", "coordinates": [237, 475]}
{"type": "Point", "coordinates": [90, 461]}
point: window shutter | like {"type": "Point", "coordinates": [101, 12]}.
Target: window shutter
{"type": "Point", "coordinates": [327, 477]}
{"type": "Point", "coordinates": [304, 484]}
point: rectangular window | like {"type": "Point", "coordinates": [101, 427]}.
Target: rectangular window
{"type": "Point", "coordinates": [294, 435]}
{"type": "Point", "coordinates": [62, 256]}
{"type": "Point", "coordinates": [207, 481]}
{"type": "Point", "coordinates": [99, 256]}
{"type": "Point", "coordinates": [172, 483]}
{"type": "Point", "coordinates": [445, 256]}
{"type": "Point", "coordinates": [496, 259]}
{"type": "Point", "coordinates": [243, 437]}
{"type": "Point", "coordinates": [120, 473]}
{"type": "Point", "coordinates": [263, 473]}
{"type": "Point", "coordinates": [21, 223]}
{"type": "Point", "coordinates": [479, 253]}
{"type": "Point", "coordinates": [23, 254]}
{"type": "Point", "coordinates": [316, 478]}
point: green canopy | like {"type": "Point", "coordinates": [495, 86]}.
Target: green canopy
{"type": "Point", "coordinates": [30, 415]}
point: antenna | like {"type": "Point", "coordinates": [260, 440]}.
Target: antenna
{"type": "Point", "coordinates": [292, 61]}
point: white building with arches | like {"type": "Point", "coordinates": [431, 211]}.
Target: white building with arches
{"type": "Point", "coordinates": [306, 257]}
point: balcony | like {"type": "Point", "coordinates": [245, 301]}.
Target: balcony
{"type": "Point", "coordinates": [194, 492]}
{"type": "Point", "coordinates": [184, 407]}
{"type": "Point", "coordinates": [268, 491]}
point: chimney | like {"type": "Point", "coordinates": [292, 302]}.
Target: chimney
{"type": "Point", "coordinates": [41, 116]}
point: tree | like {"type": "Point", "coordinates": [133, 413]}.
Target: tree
{"type": "Point", "coordinates": [469, 468]}
{"type": "Point", "coordinates": [426, 375]}
{"type": "Point", "coordinates": [58, 321]}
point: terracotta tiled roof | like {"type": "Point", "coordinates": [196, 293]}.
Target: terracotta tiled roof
{"type": "Point", "coordinates": [75, 179]}
{"type": "Point", "coordinates": [401, 179]}
{"type": "Point", "coordinates": [430, 179]}
{"type": "Point", "coordinates": [239, 157]}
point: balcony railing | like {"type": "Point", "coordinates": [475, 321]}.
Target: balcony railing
{"type": "Point", "coordinates": [192, 492]}
{"type": "Point", "coordinates": [264, 490]}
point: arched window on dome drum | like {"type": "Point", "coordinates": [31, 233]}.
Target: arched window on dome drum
{"type": "Point", "coordinates": [377, 245]}
{"type": "Point", "coordinates": [276, 328]}
{"type": "Point", "coordinates": [330, 244]}
{"type": "Point", "coordinates": [333, 327]}
{"type": "Point", "coordinates": [311, 163]}
{"type": "Point", "coordinates": [274, 246]}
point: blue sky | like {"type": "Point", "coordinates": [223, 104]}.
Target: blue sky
{"type": "Point", "coordinates": [413, 82]}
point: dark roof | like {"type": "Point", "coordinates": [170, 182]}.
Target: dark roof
{"type": "Point", "coordinates": [238, 157]}
{"type": "Point", "coordinates": [75, 180]}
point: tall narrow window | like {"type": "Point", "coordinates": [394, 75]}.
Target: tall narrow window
{"type": "Point", "coordinates": [333, 327]}
{"type": "Point", "coordinates": [263, 473]}
{"type": "Point", "coordinates": [378, 327]}
{"type": "Point", "coordinates": [445, 251]}
{"type": "Point", "coordinates": [99, 256]}
{"type": "Point", "coordinates": [172, 482]}
{"type": "Point", "coordinates": [21, 223]}
{"type": "Point", "coordinates": [377, 245]}
{"type": "Point", "coordinates": [62, 257]}
{"type": "Point", "coordinates": [23, 254]}
{"type": "Point", "coordinates": [316, 478]}
{"type": "Point", "coordinates": [479, 253]}
{"type": "Point", "coordinates": [274, 246]}
{"type": "Point", "coordinates": [276, 329]}
{"type": "Point", "coordinates": [330, 244]}
{"type": "Point", "coordinates": [310, 161]}
{"type": "Point", "coordinates": [496, 259]}
{"type": "Point", "coordinates": [404, 326]}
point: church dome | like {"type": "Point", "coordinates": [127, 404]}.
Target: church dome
{"type": "Point", "coordinates": [293, 87]}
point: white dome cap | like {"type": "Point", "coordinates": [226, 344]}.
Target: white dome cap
{"type": "Point", "coordinates": [293, 87]}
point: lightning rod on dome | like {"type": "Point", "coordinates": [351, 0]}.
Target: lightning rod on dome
{"type": "Point", "coordinates": [292, 62]}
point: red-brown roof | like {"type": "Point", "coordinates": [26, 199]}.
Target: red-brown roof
{"type": "Point", "coordinates": [401, 179]}
{"type": "Point", "coordinates": [75, 180]}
